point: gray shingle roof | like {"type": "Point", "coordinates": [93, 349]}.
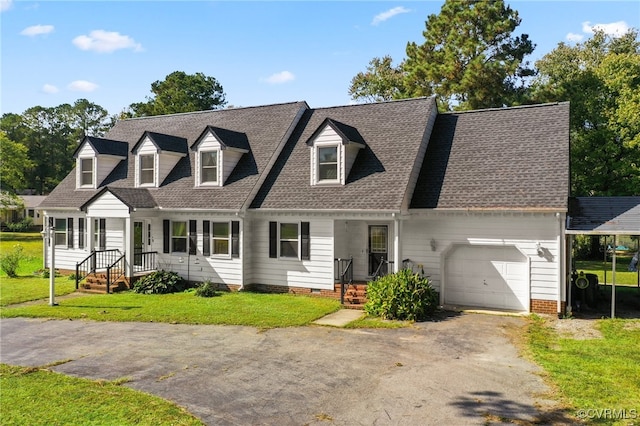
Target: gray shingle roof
{"type": "Point", "coordinates": [227, 138]}
{"type": "Point", "coordinates": [104, 146]}
{"type": "Point", "coordinates": [511, 158]}
{"type": "Point", "coordinates": [393, 133]}
{"type": "Point", "coordinates": [134, 198]}
{"type": "Point", "coordinates": [346, 132]}
{"type": "Point", "coordinates": [163, 142]}
{"type": "Point", "coordinates": [265, 128]}
{"type": "Point", "coordinates": [605, 214]}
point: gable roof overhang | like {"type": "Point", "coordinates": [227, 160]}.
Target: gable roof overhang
{"type": "Point", "coordinates": [133, 198]}
{"type": "Point", "coordinates": [237, 141]}
{"type": "Point", "coordinates": [604, 216]}
{"type": "Point", "coordinates": [104, 147]}
{"type": "Point", "coordinates": [348, 134]}
{"type": "Point", "coordinates": [164, 143]}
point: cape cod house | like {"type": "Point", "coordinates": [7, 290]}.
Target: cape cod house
{"type": "Point", "coordinates": [292, 198]}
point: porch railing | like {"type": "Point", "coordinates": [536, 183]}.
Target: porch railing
{"type": "Point", "coordinates": [144, 261]}
{"type": "Point", "coordinates": [115, 271]}
{"type": "Point", "coordinates": [98, 259]}
{"type": "Point", "coordinates": [383, 268]}
{"type": "Point", "coordinates": [344, 273]}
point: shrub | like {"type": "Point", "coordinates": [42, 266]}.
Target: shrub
{"type": "Point", "coordinates": [23, 226]}
{"type": "Point", "coordinates": [160, 282]}
{"type": "Point", "coordinates": [206, 289]}
{"type": "Point", "coordinates": [9, 262]}
{"type": "Point", "coordinates": [401, 296]}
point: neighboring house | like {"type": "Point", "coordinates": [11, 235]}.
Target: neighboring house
{"type": "Point", "coordinates": [285, 197]}
{"type": "Point", "coordinates": [29, 208]}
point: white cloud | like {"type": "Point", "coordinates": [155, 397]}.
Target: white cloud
{"type": "Point", "coordinates": [280, 77]}
{"type": "Point", "coordinates": [50, 88]}
{"type": "Point", "coordinates": [381, 17]}
{"type": "Point", "coordinates": [82, 86]}
{"type": "Point", "coordinates": [574, 37]}
{"type": "Point", "coordinates": [106, 41]}
{"type": "Point", "coordinates": [5, 5]}
{"type": "Point", "coordinates": [35, 30]}
{"type": "Point", "coordinates": [614, 29]}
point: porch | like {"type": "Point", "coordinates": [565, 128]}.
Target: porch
{"type": "Point", "coordinates": [108, 271]}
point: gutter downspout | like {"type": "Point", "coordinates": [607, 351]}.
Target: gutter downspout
{"type": "Point", "coordinates": [562, 269]}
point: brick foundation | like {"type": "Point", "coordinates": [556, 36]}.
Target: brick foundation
{"type": "Point", "coordinates": [265, 288]}
{"type": "Point", "coordinates": [546, 306]}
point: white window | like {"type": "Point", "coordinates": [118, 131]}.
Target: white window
{"type": "Point", "coordinates": [289, 246]}
{"type": "Point", "coordinates": [147, 169]}
{"type": "Point", "coordinates": [328, 163]}
{"type": "Point", "coordinates": [86, 171]}
{"type": "Point", "coordinates": [179, 237]}
{"type": "Point", "coordinates": [221, 238]}
{"type": "Point", "coordinates": [208, 167]}
{"type": "Point", "coordinates": [60, 235]}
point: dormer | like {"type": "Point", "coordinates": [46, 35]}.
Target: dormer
{"type": "Point", "coordinates": [156, 155]}
{"type": "Point", "coordinates": [334, 148]}
{"type": "Point", "coordinates": [95, 159]}
{"type": "Point", "coordinates": [218, 151]}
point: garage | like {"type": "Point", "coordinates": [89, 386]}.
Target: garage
{"type": "Point", "coordinates": [487, 277]}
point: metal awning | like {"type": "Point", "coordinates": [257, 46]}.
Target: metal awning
{"type": "Point", "coordinates": [603, 216]}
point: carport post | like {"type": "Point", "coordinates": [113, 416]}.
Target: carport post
{"type": "Point", "coordinates": [613, 279]}
{"type": "Point", "coordinates": [52, 267]}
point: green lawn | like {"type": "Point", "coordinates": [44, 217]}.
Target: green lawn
{"type": "Point", "coordinates": [593, 374]}
{"type": "Point", "coordinates": [28, 285]}
{"type": "Point", "coordinates": [37, 396]}
{"type": "Point", "coordinates": [623, 276]}
{"type": "Point", "coordinates": [240, 308]}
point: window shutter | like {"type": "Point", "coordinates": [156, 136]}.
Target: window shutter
{"type": "Point", "coordinates": [305, 252]}
{"type": "Point", "coordinates": [273, 239]}
{"type": "Point", "coordinates": [193, 236]}
{"type": "Point", "coordinates": [206, 238]}
{"type": "Point", "coordinates": [103, 234]}
{"type": "Point", "coordinates": [166, 241]}
{"type": "Point", "coordinates": [81, 233]}
{"type": "Point", "coordinates": [69, 232]}
{"type": "Point", "coordinates": [235, 238]}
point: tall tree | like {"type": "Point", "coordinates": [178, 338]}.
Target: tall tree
{"type": "Point", "coordinates": [181, 92]}
{"type": "Point", "coordinates": [601, 78]}
{"type": "Point", "coordinates": [14, 166]}
{"type": "Point", "coordinates": [89, 119]}
{"type": "Point", "coordinates": [380, 82]}
{"type": "Point", "coordinates": [469, 59]}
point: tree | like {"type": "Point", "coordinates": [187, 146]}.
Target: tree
{"type": "Point", "coordinates": [181, 92]}
{"type": "Point", "coordinates": [89, 119]}
{"type": "Point", "coordinates": [601, 78]}
{"type": "Point", "coordinates": [469, 59]}
{"type": "Point", "coordinates": [14, 165]}
{"type": "Point", "coordinates": [381, 82]}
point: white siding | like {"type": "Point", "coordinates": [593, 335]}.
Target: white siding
{"type": "Point", "coordinates": [225, 270]}
{"type": "Point", "coordinates": [314, 273]}
{"type": "Point", "coordinates": [105, 165]}
{"type": "Point", "coordinates": [164, 164]}
{"type": "Point", "coordinates": [520, 231]}
{"type": "Point", "coordinates": [146, 147]}
{"type": "Point", "coordinates": [229, 161]}
{"type": "Point", "coordinates": [351, 153]}
{"type": "Point", "coordinates": [328, 137]}
{"type": "Point", "coordinates": [85, 152]}
{"type": "Point", "coordinates": [352, 240]}
{"type": "Point", "coordinates": [107, 205]}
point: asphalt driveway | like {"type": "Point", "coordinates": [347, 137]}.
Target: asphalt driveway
{"type": "Point", "coordinates": [461, 370]}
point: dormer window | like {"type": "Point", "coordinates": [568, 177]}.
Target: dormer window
{"type": "Point", "coordinates": [86, 172]}
{"type": "Point", "coordinates": [328, 164]}
{"type": "Point", "coordinates": [147, 169]}
{"type": "Point", "coordinates": [208, 167]}
{"type": "Point", "coordinates": [218, 151]}
{"type": "Point", "coordinates": [334, 148]}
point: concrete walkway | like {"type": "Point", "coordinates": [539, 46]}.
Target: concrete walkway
{"type": "Point", "coordinates": [340, 318]}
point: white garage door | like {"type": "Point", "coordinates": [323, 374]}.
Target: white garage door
{"type": "Point", "coordinates": [487, 277]}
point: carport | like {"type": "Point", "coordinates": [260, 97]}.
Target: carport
{"type": "Point", "coordinates": [601, 216]}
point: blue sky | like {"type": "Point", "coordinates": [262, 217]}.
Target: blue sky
{"type": "Point", "coordinates": [55, 52]}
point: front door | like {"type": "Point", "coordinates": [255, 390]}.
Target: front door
{"type": "Point", "coordinates": [139, 245]}
{"type": "Point", "coordinates": [378, 249]}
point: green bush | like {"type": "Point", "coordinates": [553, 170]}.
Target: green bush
{"type": "Point", "coordinates": [23, 226]}
{"type": "Point", "coordinates": [160, 282]}
{"type": "Point", "coordinates": [206, 289]}
{"type": "Point", "coordinates": [9, 262]}
{"type": "Point", "coordinates": [401, 296]}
